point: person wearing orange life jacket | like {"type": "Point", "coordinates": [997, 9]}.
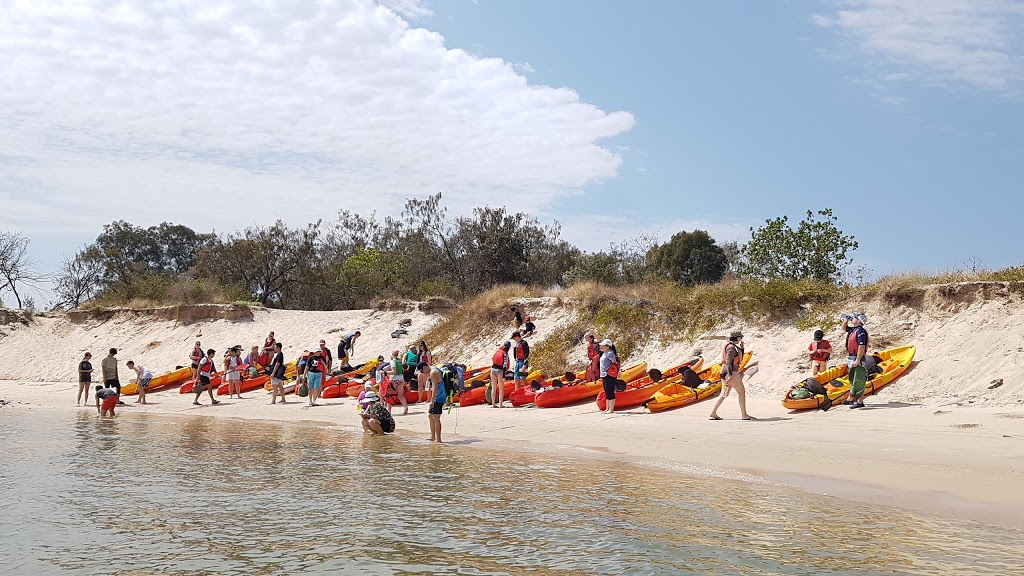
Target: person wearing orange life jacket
{"type": "Point", "coordinates": [821, 351]}
{"type": "Point", "coordinates": [856, 348]}
{"type": "Point", "coordinates": [732, 378]}
{"type": "Point", "coordinates": [521, 352]}
{"type": "Point", "coordinates": [499, 365]}
{"type": "Point", "coordinates": [593, 358]}
{"type": "Point", "coordinates": [195, 357]}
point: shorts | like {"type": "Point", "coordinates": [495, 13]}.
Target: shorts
{"type": "Point", "coordinates": [84, 380]}
{"type": "Point", "coordinates": [497, 372]}
{"type": "Point", "coordinates": [195, 365]}
{"type": "Point", "coordinates": [851, 362]}
{"type": "Point", "coordinates": [314, 379]}
{"type": "Point", "coordinates": [109, 402]}
{"type": "Point", "coordinates": [112, 383]}
{"type": "Point", "coordinates": [388, 427]}
{"type": "Point", "coordinates": [232, 376]}
{"type": "Point", "coordinates": [608, 382]}
{"type": "Point", "coordinates": [276, 381]}
{"type": "Point", "coordinates": [520, 372]}
{"type": "Point", "coordinates": [343, 360]}
{"type": "Point", "coordinates": [144, 383]}
{"type": "Point", "coordinates": [435, 408]}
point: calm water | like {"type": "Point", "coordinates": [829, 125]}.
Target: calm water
{"type": "Point", "coordinates": [161, 495]}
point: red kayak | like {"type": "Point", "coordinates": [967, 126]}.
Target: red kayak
{"type": "Point", "coordinates": [248, 385]}
{"type": "Point", "coordinates": [186, 388]}
{"type": "Point", "coordinates": [526, 396]}
{"type": "Point", "coordinates": [334, 388]}
{"type": "Point", "coordinates": [638, 391]}
{"type": "Point", "coordinates": [573, 393]}
{"type": "Point", "coordinates": [411, 397]}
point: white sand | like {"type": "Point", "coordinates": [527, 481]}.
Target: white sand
{"type": "Point", "coordinates": [936, 439]}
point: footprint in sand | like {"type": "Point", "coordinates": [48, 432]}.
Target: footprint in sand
{"type": "Point", "coordinates": [937, 412]}
{"type": "Point", "coordinates": [965, 426]}
{"type": "Point", "coordinates": [1014, 416]}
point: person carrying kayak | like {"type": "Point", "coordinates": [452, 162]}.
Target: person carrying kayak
{"type": "Point", "coordinates": [143, 377]}
{"type": "Point", "coordinates": [821, 351]}
{"type": "Point", "coordinates": [857, 350]}
{"type": "Point", "coordinates": [732, 378]}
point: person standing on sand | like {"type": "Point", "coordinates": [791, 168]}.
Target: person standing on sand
{"type": "Point", "coordinates": [231, 372]}
{"type": "Point", "coordinates": [276, 370]}
{"type": "Point", "coordinates": [609, 373]}
{"type": "Point", "coordinates": [821, 351]}
{"type": "Point", "coordinates": [84, 378]}
{"type": "Point", "coordinates": [499, 365]}
{"type": "Point", "coordinates": [593, 357]}
{"type": "Point", "coordinates": [315, 368]}
{"type": "Point", "coordinates": [732, 378]}
{"type": "Point", "coordinates": [143, 377]}
{"type": "Point", "coordinates": [521, 352]}
{"type": "Point", "coordinates": [517, 317]}
{"type": "Point", "coordinates": [857, 349]}
{"type": "Point", "coordinates": [106, 400]}
{"type": "Point", "coordinates": [196, 356]}
{"type": "Point", "coordinates": [347, 349]}
{"type": "Point", "coordinates": [409, 361]}
{"type": "Point", "coordinates": [325, 356]}
{"type": "Point", "coordinates": [424, 353]}
{"type": "Point", "coordinates": [376, 416]}
{"type": "Point", "coordinates": [397, 388]}
{"type": "Point", "coordinates": [207, 368]}
{"type": "Point", "coordinates": [109, 367]}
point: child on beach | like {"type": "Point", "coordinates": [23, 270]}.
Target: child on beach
{"type": "Point", "coordinates": [821, 351]}
{"type": "Point", "coordinates": [84, 378]}
{"type": "Point", "coordinates": [143, 377]}
{"type": "Point", "coordinates": [106, 400]}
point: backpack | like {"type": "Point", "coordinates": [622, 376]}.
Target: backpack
{"type": "Point", "coordinates": [450, 381]}
{"type": "Point", "coordinates": [800, 392]}
{"type": "Point", "coordinates": [814, 387]}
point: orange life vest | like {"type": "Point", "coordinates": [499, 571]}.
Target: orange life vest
{"type": "Point", "coordinates": [821, 350]}
{"type": "Point", "coordinates": [736, 361]}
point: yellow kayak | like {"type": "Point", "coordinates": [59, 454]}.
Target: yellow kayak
{"type": "Point", "coordinates": [173, 378]}
{"type": "Point", "coordinates": [677, 395]}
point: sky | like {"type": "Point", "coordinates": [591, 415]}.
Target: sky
{"type": "Point", "coordinates": [614, 118]}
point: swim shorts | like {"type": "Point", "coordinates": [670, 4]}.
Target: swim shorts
{"type": "Point", "coordinates": [314, 379]}
{"type": "Point", "coordinates": [109, 402]}
{"type": "Point", "coordinates": [435, 408]}
{"type": "Point", "coordinates": [520, 372]}
{"type": "Point", "coordinates": [144, 383]}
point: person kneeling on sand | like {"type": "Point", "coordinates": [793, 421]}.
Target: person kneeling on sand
{"type": "Point", "coordinates": [375, 416]}
{"type": "Point", "coordinates": [142, 377]}
{"type": "Point", "coordinates": [106, 400]}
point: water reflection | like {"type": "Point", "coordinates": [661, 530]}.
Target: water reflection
{"type": "Point", "coordinates": [186, 495]}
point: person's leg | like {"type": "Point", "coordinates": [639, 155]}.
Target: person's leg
{"type": "Point", "coordinates": [142, 391]}
{"type": "Point", "coordinates": [82, 387]}
{"type": "Point", "coordinates": [500, 392]}
{"type": "Point", "coordinates": [196, 400]}
{"type": "Point", "coordinates": [721, 398]}
{"type": "Point", "coordinates": [374, 426]}
{"type": "Point", "coordinates": [209, 390]}
{"type": "Point", "coordinates": [437, 425]}
{"type": "Point", "coordinates": [741, 395]}
{"type": "Point", "coordinates": [401, 398]}
{"type": "Point", "coordinates": [494, 389]}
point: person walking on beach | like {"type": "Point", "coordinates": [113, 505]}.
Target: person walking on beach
{"type": "Point", "coordinates": [196, 356]}
{"type": "Point", "coordinates": [84, 379]}
{"type": "Point", "coordinates": [397, 378]}
{"type": "Point", "coordinates": [610, 369]}
{"type": "Point", "coordinates": [821, 351]}
{"type": "Point", "coordinates": [325, 356]}
{"type": "Point", "coordinates": [376, 416]}
{"type": "Point", "coordinates": [732, 378]}
{"type": "Point", "coordinates": [315, 368]}
{"type": "Point", "coordinates": [499, 365]}
{"type": "Point", "coordinates": [857, 349]}
{"type": "Point", "coordinates": [347, 349]}
{"type": "Point", "coordinates": [232, 365]}
{"type": "Point", "coordinates": [521, 352]}
{"type": "Point", "coordinates": [109, 367]}
{"type": "Point", "coordinates": [593, 358]}
{"type": "Point", "coordinates": [277, 370]}
{"type": "Point", "coordinates": [106, 400]}
{"type": "Point", "coordinates": [207, 368]}
{"type": "Point", "coordinates": [143, 377]}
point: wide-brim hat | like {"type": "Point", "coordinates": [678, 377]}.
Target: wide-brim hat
{"type": "Point", "coordinates": [736, 334]}
{"type": "Point", "coordinates": [371, 397]}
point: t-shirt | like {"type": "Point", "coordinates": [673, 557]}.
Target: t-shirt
{"type": "Point", "coordinates": [278, 366]}
{"type": "Point", "coordinates": [206, 366]}
{"type": "Point", "coordinates": [327, 356]}
{"type": "Point", "coordinates": [109, 365]}
{"type": "Point", "coordinates": [396, 368]}
{"type": "Point", "coordinates": [85, 371]}
{"type": "Point", "coordinates": [103, 393]}
{"type": "Point", "coordinates": [315, 364]}
{"type": "Point", "coordinates": [607, 359]}
{"type": "Point", "coordinates": [529, 326]}
{"type": "Point", "coordinates": [411, 359]}
{"type": "Point", "coordinates": [379, 411]}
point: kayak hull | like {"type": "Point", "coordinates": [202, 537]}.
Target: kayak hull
{"type": "Point", "coordinates": [173, 378]}
{"type": "Point", "coordinates": [573, 393]}
{"type": "Point", "coordinates": [641, 389]}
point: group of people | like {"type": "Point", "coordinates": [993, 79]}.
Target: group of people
{"type": "Point", "coordinates": [108, 394]}
{"type": "Point", "coordinates": [857, 339]}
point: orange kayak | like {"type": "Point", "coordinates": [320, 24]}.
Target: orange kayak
{"type": "Point", "coordinates": [573, 393]}
{"type": "Point", "coordinates": [248, 385]}
{"type": "Point", "coordinates": [639, 390]}
{"type": "Point", "coordinates": [167, 380]}
{"type": "Point", "coordinates": [186, 388]}
{"type": "Point", "coordinates": [333, 388]}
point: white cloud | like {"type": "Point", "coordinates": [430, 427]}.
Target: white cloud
{"type": "Point", "coordinates": [524, 68]}
{"type": "Point", "coordinates": [969, 43]}
{"type": "Point", "coordinates": [413, 9]}
{"type": "Point", "coordinates": [221, 114]}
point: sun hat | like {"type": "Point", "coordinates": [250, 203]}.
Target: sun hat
{"type": "Point", "coordinates": [736, 334]}
{"type": "Point", "coordinates": [370, 396]}
{"type": "Point", "coordinates": [607, 342]}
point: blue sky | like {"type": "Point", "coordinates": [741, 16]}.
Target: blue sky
{"type": "Point", "coordinates": [616, 118]}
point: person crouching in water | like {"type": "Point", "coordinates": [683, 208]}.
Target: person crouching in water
{"type": "Point", "coordinates": [106, 400]}
{"type": "Point", "coordinates": [821, 351]}
{"type": "Point", "coordinates": [609, 373]}
{"type": "Point", "coordinates": [732, 378]}
{"type": "Point", "coordinates": [376, 416]}
{"type": "Point", "coordinates": [207, 368]}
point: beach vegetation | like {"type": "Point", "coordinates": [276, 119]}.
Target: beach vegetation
{"type": "Point", "coordinates": [689, 258]}
{"type": "Point", "coordinates": [816, 249]}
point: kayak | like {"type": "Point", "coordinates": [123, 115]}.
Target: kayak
{"type": "Point", "coordinates": [247, 385]}
{"type": "Point", "coordinates": [334, 387]}
{"type": "Point", "coordinates": [187, 386]}
{"type": "Point", "coordinates": [411, 397]}
{"type": "Point", "coordinates": [678, 395]}
{"type": "Point", "coordinates": [836, 390]}
{"type": "Point", "coordinates": [573, 393]}
{"type": "Point", "coordinates": [895, 362]}
{"type": "Point", "coordinates": [480, 395]}
{"type": "Point", "coordinates": [526, 395]}
{"type": "Point", "coordinates": [639, 390]}
{"type": "Point", "coordinates": [162, 381]}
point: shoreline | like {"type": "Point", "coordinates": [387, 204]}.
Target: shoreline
{"type": "Point", "coordinates": [957, 462]}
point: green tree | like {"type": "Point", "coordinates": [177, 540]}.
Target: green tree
{"type": "Point", "coordinates": [689, 258]}
{"type": "Point", "coordinates": [599, 267]}
{"type": "Point", "coordinates": [816, 250]}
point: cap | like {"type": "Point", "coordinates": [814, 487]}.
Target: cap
{"type": "Point", "coordinates": [736, 334]}
{"type": "Point", "coordinates": [862, 317]}
{"type": "Point", "coordinates": [323, 341]}
{"type": "Point", "coordinates": [507, 344]}
{"type": "Point", "coordinates": [395, 352]}
{"type": "Point", "coordinates": [368, 386]}
{"type": "Point", "coordinates": [818, 334]}
{"type": "Point", "coordinates": [607, 342]}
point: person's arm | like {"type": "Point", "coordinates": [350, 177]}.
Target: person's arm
{"type": "Point", "coordinates": [97, 403]}
{"type": "Point", "coordinates": [862, 349]}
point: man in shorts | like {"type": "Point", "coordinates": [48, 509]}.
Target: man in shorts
{"type": "Point", "coordinates": [276, 370]}
{"type": "Point", "coordinates": [143, 376]}
{"type": "Point", "coordinates": [109, 367]}
{"type": "Point", "coordinates": [436, 378]}
{"type": "Point", "coordinates": [521, 353]}
{"type": "Point", "coordinates": [207, 368]}
{"type": "Point", "coordinates": [106, 400]}
{"type": "Point", "coordinates": [315, 368]}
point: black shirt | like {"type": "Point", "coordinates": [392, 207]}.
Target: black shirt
{"type": "Point", "coordinates": [278, 366]}
{"type": "Point", "coordinates": [105, 393]}
{"type": "Point", "coordinates": [519, 318]}
{"type": "Point", "coordinates": [85, 371]}
{"type": "Point", "coordinates": [530, 327]}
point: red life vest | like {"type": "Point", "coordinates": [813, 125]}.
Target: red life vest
{"type": "Point", "coordinates": [197, 354]}
{"type": "Point", "coordinates": [500, 359]}
{"type": "Point", "coordinates": [821, 350]}
{"type": "Point", "coordinates": [851, 340]}
{"type": "Point", "coordinates": [522, 350]}
{"type": "Point", "coordinates": [593, 351]}
{"type": "Point", "coordinates": [735, 362]}
{"type": "Point", "coordinates": [206, 367]}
